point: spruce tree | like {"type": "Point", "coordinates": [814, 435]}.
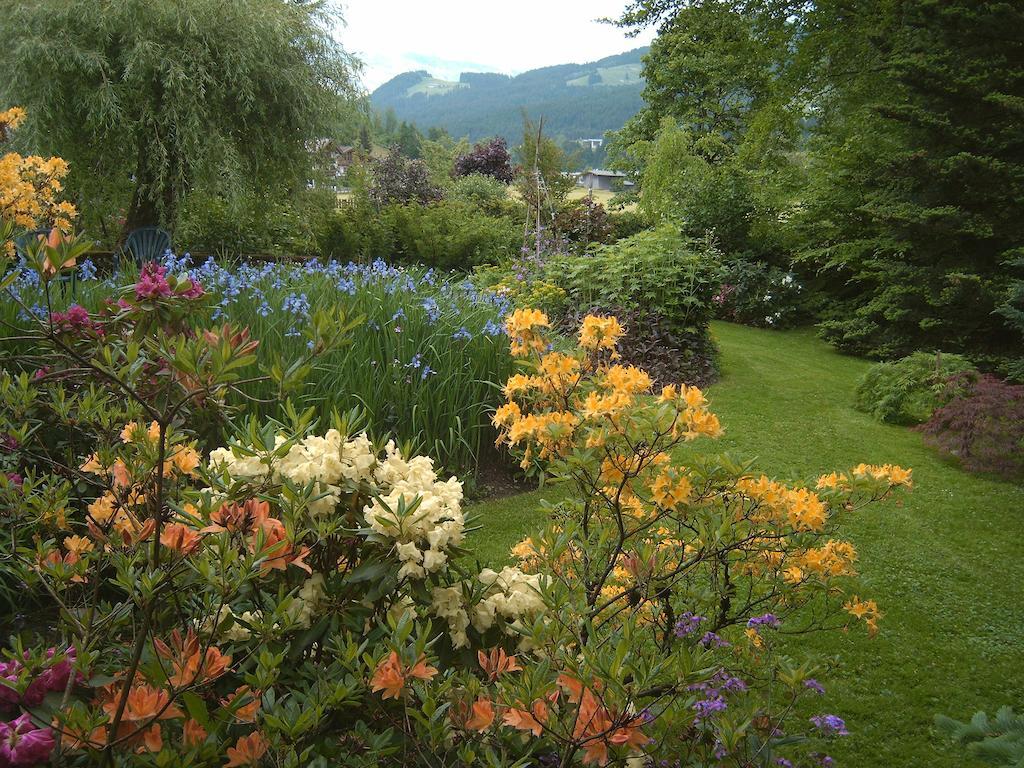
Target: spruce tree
{"type": "Point", "coordinates": [917, 213]}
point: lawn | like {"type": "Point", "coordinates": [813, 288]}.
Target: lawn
{"type": "Point", "coordinates": [946, 567]}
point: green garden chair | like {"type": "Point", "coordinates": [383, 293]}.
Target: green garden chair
{"type": "Point", "coordinates": [148, 244]}
{"type": "Point", "coordinates": [65, 279]}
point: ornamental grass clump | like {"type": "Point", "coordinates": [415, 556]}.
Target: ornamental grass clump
{"type": "Point", "coordinates": [676, 582]}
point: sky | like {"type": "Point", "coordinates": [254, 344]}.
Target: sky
{"type": "Point", "coordinates": [447, 37]}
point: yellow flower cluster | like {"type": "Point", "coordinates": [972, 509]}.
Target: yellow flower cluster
{"type": "Point", "coordinates": [525, 329]}
{"type": "Point", "coordinates": [891, 473]}
{"type": "Point", "coordinates": [530, 293]}
{"type": "Point", "coordinates": [30, 187]}
{"type": "Point", "coordinates": [835, 558]}
{"type": "Point", "coordinates": [799, 507]}
{"type": "Point", "coordinates": [866, 610]}
{"type": "Point", "coordinates": [600, 333]}
{"type": "Point", "coordinates": [581, 393]}
{"type": "Point", "coordinates": [607, 430]}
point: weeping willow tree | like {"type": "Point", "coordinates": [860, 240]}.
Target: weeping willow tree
{"type": "Point", "coordinates": [151, 99]}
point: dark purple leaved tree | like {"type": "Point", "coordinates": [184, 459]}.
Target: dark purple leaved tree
{"type": "Point", "coordinates": [487, 159]}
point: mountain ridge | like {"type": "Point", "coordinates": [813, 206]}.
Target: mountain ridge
{"type": "Point", "coordinates": [576, 100]}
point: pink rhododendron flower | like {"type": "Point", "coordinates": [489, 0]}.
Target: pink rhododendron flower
{"type": "Point", "coordinates": [152, 282]}
{"type": "Point", "coordinates": [23, 744]}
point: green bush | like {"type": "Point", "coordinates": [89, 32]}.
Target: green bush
{"type": "Point", "coordinates": [907, 391]}
{"type": "Point", "coordinates": [451, 235]}
{"type": "Point", "coordinates": [485, 193]}
{"type": "Point", "coordinates": [626, 223]}
{"type": "Point", "coordinates": [355, 232]}
{"type": "Point", "coordinates": [658, 270]}
{"type": "Point", "coordinates": [445, 235]}
{"type": "Point", "coordinates": [254, 224]}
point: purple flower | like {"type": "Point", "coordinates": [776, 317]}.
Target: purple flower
{"type": "Point", "coordinates": [687, 624]}
{"type": "Point", "coordinates": [830, 725]}
{"type": "Point", "coordinates": [815, 686]}
{"type": "Point", "coordinates": [768, 620]}
{"type": "Point", "coordinates": [783, 762]}
{"type": "Point", "coordinates": [711, 640]}
{"type": "Point", "coordinates": [22, 744]}
{"type": "Point", "coordinates": [707, 707]}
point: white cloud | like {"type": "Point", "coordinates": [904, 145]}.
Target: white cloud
{"type": "Point", "coordinates": [447, 37]}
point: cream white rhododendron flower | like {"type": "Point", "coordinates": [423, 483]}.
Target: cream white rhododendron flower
{"type": "Point", "coordinates": [423, 535]}
{"type": "Point", "coordinates": [511, 594]}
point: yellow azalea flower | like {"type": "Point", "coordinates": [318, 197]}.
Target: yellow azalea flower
{"type": "Point", "coordinates": [701, 422]}
{"type": "Point", "coordinates": [599, 332]}
{"type": "Point", "coordinates": [670, 489]}
{"type": "Point", "coordinates": [831, 480]}
{"type": "Point", "coordinates": [806, 512]}
{"type": "Point", "coordinates": [102, 509]}
{"type": "Point", "coordinates": [523, 327]}
{"type": "Point", "coordinates": [628, 379]}
{"type": "Point", "coordinates": [892, 473]}
{"type": "Point", "coordinates": [133, 431]}
{"type": "Point", "coordinates": [507, 414]}
{"type": "Point", "coordinates": [556, 364]}
{"type": "Point", "coordinates": [520, 383]}
{"type": "Point", "coordinates": [12, 117]}
{"type": "Point", "coordinates": [185, 460]}
{"type": "Point", "coordinates": [596, 406]}
{"type": "Point", "coordinates": [866, 610]}
{"type": "Point", "coordinates": [754, 637]}
{"type": "Point", "coordinates": [78, 544]}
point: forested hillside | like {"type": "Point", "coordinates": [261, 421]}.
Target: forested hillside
{"type": "Point", "coordinates": [576, 100]}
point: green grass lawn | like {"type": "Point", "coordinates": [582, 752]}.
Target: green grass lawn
{"type": "Point", "coordinates": [947, 567]}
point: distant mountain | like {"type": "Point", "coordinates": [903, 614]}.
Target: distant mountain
{"type": "Point", "coordinates": [577, 101]}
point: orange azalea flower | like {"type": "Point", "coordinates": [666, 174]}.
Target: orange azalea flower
{"type": "Point", "coordinates": [184, 459]}
{"type": "Point", "coordinates": [497, 662]}
{"type": "Point", "coordinates": [242, 518]}
{"type": "Point", "coordinates": [180, 538]}
{"type": "Point", "coordinates": [523, 720]}
{"type": "Point", "coordinates": [193, 734]}
{"type": "Point", "coordinates": [133, 430]}
{"type": "Point", "coordinates": [190, 664]}
{"type": "Point", "coordinates": [630, 735]}
{"type": "Point", "coordinates": [574, 686]}
{"type": "Point", "coordinates": [54, 240]}
{"type": "Point", "coordinates": [145, 704]}
{"type": "Point", "coordinates": [390, 675]}
{"type": "Point", "coordinates": [483, 715]}
{"type": "Point", "coordinates": [247, 750]}
{"type": "Point", "coordinates": [238, 340]}
{"type": "Point", "coordinates": [277, 549]}
{"type": "Point", "coordinates": [421, 669]}
{"type": "Point", "coordinates": [246, 712]}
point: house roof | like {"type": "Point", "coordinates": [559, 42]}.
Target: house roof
{"type": "Point", "coordinates": [602, 172]}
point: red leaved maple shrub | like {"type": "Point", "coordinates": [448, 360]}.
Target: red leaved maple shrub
{"type": "Point", "coordinates": [981, 424]}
